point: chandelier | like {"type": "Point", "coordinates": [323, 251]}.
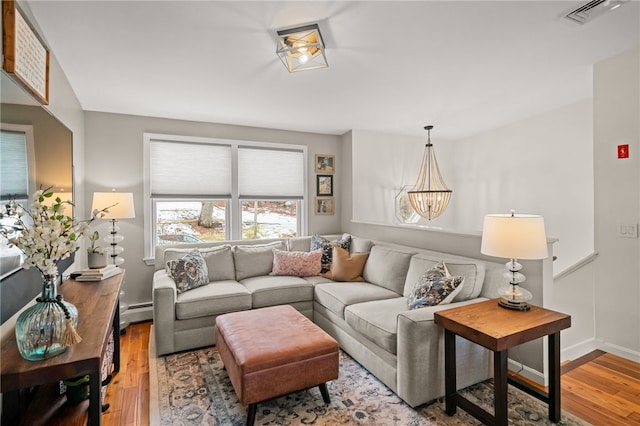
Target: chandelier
{"type": "Point", "coordinates": [429, 196]}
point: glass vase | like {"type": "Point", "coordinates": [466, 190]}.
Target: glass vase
{"type": "Point", "coordinates": [40, 328]}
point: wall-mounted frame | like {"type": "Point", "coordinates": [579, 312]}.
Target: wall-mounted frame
{"type": "Point", "coordinates": [324, 185]}
{"type": "Point", "coordinates": [26, 58]}
{"type": "Point", "coordinates": [325, 163]}
{"type": "Point", "coordinates": [325, 205]}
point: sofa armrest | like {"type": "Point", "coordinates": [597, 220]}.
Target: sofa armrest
{"type": "Point", "coordinates": [421, 355]}
{"type": "Point", "coordinates": [164, 301]}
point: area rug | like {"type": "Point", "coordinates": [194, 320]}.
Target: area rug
{"type": "Point", "coordinates": [192, 388]}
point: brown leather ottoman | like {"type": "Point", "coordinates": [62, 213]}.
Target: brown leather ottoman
{"type": "Point", "coordinates": [270, 352]}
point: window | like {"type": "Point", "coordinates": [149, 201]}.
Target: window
{"type": "Point", "coordinates": [203, 189]}
{"type": "Point", "coordinates": [16, 162]}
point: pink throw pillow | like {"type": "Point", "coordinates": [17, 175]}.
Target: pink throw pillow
{"type": "Point", "coordinates": [297, 263]}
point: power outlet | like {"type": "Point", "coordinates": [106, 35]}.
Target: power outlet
{"type": "Point", "coordinates": [628, 230]}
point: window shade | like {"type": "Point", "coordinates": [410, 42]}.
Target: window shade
{"type": "Point", "coordinates": [270, 173]}
{"type": "Point", "coordinates": [181, 168]}
{"type": "Point", "coordinates": [14, 167]}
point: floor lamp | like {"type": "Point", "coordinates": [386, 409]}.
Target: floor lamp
{"type": "Point", "coordinates": [120, 206]}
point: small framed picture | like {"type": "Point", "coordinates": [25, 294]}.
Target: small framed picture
{"type": "Point", "coordinates": [324, 185]}
{"type": "Point", "coordinates": [325, 163]}
{"type": "Point", "coordinates": [325, 205]}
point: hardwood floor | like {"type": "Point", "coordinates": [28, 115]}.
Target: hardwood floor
{"type": "Point", "coordinates": [600, 388]}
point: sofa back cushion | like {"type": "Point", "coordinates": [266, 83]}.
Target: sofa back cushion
{"type": "Point", "coordinates": [255, 260]}
{"type": "Point", "coordinates": [219, 260]}
{"type": "Point", "coordinates": [472, 271]}
{"type": "Point", "coordinates": [387, 267]}
{"type": "Point", "coordinates": [360, 245]}
{"type": "Point", "coordinates": [299, 244]}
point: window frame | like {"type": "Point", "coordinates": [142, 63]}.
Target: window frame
{"type": "Point", "coordinates": [233, 213]}
{"type": "Point", "coordinates": [27, 130]}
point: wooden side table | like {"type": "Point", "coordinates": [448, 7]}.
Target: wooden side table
{"type": "Point", "coordinates": [98, 318]}
{"type": "Point", "coordinates": [498, 329]}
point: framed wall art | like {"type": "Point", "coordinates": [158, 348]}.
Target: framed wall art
{"type": "Point", "coordinates": [325, 205]}
{"type": "Point", "coordinates": [26, 58]}
{"type": "Point", "coordinates": [325, 163]}
{"type": "Point", "coordinates": [324, 185]}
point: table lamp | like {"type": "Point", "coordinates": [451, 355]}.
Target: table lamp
{"type": "Point", "coordinates": [514, 237]}
{"type": "Point", "coordinates": [120, 206]}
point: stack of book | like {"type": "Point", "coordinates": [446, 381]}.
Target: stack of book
{"type": "Point", "coordinates": [97, 274]}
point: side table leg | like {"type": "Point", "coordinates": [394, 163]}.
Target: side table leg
{"type": "Point", "coordinates": [500, 384]}
{"type": "Point", "coordinates": [95, 400]}
{"type": "Point", "coordinates": [450, 372]}
{"type": "Point", "coordinates": [554, 377]}
{"type": "Point", "coordinates": [116, 338]}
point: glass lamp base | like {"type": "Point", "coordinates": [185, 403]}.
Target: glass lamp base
{"type": "Point", "coordinates": [512, 296]}
{"type": "Point", "coordinates": [510, 304]}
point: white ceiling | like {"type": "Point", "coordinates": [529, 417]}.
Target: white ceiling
{"type": "Point", "coordinates": [394, 67]}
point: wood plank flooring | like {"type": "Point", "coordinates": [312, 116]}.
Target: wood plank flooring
{"type": "Point", "coordinates": [600, 388]}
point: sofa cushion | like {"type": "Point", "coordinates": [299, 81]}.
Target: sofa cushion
{"type": "Point", "coordinates": [336, 296]}
{"type": "Point", "coordinates": [360, 245]}
{"type": "Point", "coordinates": [435, 287]}
{"type": "Point", "coordinates": [188, 272]}
{"type": "Point", "coordinates": [318, 242]}
{"type": "Point", "coordinates": [272, 290]}
{"type": "Point", "coordinates": [346, 266]}
{"type": "Point", "coordinates": [213, 299]}
{"type": "Point", "coordinates": [472, 271]}
{"type": "Point", "coordinates": [219, 260]}
{"type": "Point", "coordinates": [255, 260]}
{"type": "Point", "coordinates": [299, 244]}
{"type": "Point", "coordinates": [377, 320]}
{"type": "Point", "coordinates": [297, 263]}
{"type": "Point", "coordinates": [387, 267]}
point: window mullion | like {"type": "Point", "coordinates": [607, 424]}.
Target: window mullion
{"type": "Point", "coordinates": [235, 209]}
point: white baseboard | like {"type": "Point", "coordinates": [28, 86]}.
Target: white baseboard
{"type": "Point", "coordinates": [620, 351]}
{"type": "Point", "coordinates": [138, 313]}
{"type": "Point", "coordinates": [526, 372]}
{"type": "Point", "coordinates": [579, 349]}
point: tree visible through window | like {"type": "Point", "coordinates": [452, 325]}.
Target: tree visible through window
{"type": "Point", "coordinates": [202, 189]}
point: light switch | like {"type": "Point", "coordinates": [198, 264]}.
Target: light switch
{"type": "Point", "coordinates": [628, 230]}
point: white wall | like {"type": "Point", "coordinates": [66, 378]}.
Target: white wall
{"type": "Point", "coordinates": [617, 201]}
{"type": "Point", "coordinates": [541, 165]}
{"type": "Point", "coordinates": [114, 146]}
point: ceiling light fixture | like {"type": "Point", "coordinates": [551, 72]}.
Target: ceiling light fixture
{"type": "Point", "coordinates": [430, 196]}
{"type": "Point", "coordinates": [301, 48]}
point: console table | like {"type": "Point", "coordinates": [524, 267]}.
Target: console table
{"type": "Point", "coordinates": [98, 318]}
{"type": "Point", "coordinates": [498, 329]}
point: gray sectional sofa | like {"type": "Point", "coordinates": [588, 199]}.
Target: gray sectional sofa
{"type": "Point", "coordinates": [369, 319]}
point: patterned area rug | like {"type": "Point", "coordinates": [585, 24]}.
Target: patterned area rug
{"type": "Point", "coordinates": [192, 388]}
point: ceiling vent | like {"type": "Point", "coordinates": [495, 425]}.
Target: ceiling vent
{"type": "Point", "coordinates": [593, 9]}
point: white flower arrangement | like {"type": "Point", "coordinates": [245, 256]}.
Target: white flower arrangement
{"type": "Point", "coordinates": [51, 237]}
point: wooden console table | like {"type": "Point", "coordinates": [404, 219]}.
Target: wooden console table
{"type": "Point", "coordinates": [98, 318]}
{"type": "Point", "coordinates": [498, 329]}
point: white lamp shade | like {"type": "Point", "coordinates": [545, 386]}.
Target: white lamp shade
{"type": "Point", "coordinates": [119, 204]}
{"type": "Point", "coordinates": [514, 236]}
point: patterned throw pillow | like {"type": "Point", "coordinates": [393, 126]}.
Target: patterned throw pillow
{"type": "Point", "coordinates": [318, 242]}
{"type": "Point", "coordinates": [435, 287]}
{"type": "Point", "coordinates": [189, 272]}
{"type": "Point", "coordinates": [297, 263]}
